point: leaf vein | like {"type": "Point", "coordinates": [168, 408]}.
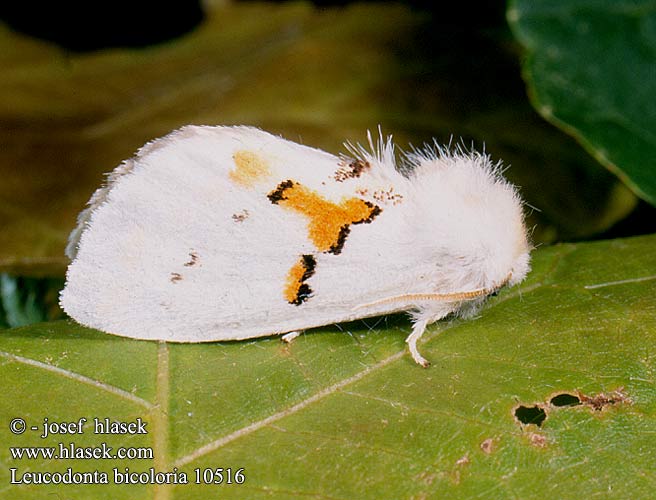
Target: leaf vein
{"type": "Point", "coordinates": [620, 282]}
{"type": "Point", "coordinates": [255, 426]}
{"type": "Point", "coordinates": [79, 378]}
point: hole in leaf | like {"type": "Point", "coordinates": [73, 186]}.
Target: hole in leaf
{"type": "Point", "coordinates": [530, 415]}
{"type": "Point", "coordinates": [565, 400]}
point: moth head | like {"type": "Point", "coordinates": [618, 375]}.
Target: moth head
{"type": "Point", "coordinates": [472, 218]}
{"type": "Point", "coordinates": [520, 267]}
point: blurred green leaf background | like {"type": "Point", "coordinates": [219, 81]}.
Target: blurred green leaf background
{"type": "Point", "coordinates": [591, 70]}
{"type": "Point", "coordinates": [561, 91]}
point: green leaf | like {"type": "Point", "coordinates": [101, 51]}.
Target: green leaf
{"type": "Point", "coordinates": [24, 301]}
{"type": "Point", "coordinates": [591, 70]}
{"type": "Point", "coordinates": [319, 76]}
{"type": "Point", "coordinates": [343, 412]}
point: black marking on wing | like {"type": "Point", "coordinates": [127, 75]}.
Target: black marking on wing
{"type": "Point", "coordinates": [278, 194]}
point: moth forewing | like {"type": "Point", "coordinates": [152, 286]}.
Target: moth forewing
{"type": "Point", "coordinates": [227, 233]}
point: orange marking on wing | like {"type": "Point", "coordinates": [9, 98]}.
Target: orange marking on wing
{"type": "Point", "coordinates": [296, 289]}
{"type": "Point", "coordinates": [329, 222]}
{"type": "Point", "coordinates": [249, 168]}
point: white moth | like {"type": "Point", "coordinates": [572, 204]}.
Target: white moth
{"type": "Point", "coordinates": [227, 233]}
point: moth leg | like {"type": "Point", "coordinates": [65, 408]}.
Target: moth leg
{"type": "Point", "coordinates": [418, 330]}
{"type": "Point", "coordinates": [289, 337]}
